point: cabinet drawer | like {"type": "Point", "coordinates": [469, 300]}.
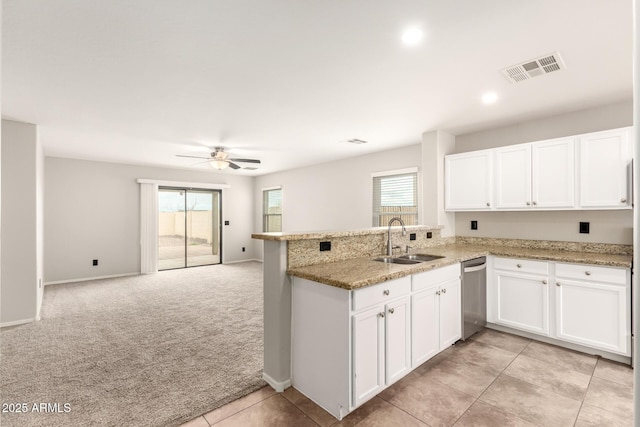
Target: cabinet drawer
{"type": "Point", "coordinates": [381, 293]}
{"type": "Point", "coordinates": [592, 273]}
{"type": "Point", "coordinates": [521, 265]}
{"type": "Point", "coordinates": [434, 277]}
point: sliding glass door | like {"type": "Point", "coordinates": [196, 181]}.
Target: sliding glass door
{"type": "Point", "coordinates": [188, 227]}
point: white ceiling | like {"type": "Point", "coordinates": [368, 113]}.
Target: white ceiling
{"type": "Point", "coordinates": [285, 81]}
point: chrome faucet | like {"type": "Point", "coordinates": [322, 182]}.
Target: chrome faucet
{"type": "Point", "coordinates": [390, 247]}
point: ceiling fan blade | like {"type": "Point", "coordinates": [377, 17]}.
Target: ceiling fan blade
{"type": "Point", "coordinates": [194, 157]}
{"type": "Point", "coordinates": [246, 160]}
{"type": "Point", "coordinates": [233, 165]}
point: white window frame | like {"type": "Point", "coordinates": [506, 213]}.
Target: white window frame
{"type": "Point", "coordinates": [376, 216]}
{"type": "Point", "coordinates": [264, 214]}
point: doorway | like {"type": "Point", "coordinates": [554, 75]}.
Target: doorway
{"type": "Point", "coordinates": [189, 227]}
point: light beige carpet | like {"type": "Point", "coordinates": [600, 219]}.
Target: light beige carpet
{"type": "Point", "coordinates": [153, 350]}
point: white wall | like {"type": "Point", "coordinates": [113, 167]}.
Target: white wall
{"type": "Point", "coordinates": [331, 196]}
{"type": "Point", "coordinates": [21, 215]}
{"type": "Point", "coordinates": [92, 211]}
{"type": "Point", "coordinates": [606, 226]}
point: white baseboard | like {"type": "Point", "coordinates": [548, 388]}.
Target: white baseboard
{"type": "Point", "coordinates": [17, 322]}
{"type": "Point", "coordinates": [242, 260]}
{"type": "Point", "coordinates": [278, 386]}
{"type": "Point", "coordinates": [85, 279]}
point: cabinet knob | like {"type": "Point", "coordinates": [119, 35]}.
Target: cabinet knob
{"type": "Point", "coordinates": [519, 265]}
{"type": "Point", "coordinates": [437, 292]}
{"type": "Point", "coordinates": [392, 310]}
{"type": "Point", "coordinates": [381, 314]}
{"type": "Point", "coordinates": [623, 200]}
{"type": "Point", "coordinates": [385, 292]}
{"type": "Point", "coordinates": [558, 284]}
{"type": "Point", "coordinates": [535, 203]}
{"type": "Point", "coordinates": [488, 204]}
{"type": "Point", "coordinates": [544, 282]}
{"type": "Point", "coordinates": [528, 203]}
{"type": "Point", "coordinates": [588, 273]}
{"type": "Point", "coordinates": [444, 291]}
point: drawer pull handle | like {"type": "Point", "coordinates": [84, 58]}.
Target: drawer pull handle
{"type": "Point", "coordinates": [519, 265]}
{"type": "Point", "coordinates": [392, 310]}
{"type": "Point", "coordinates": [588, 273]}
{"type": "Point", "coordinates": [544, 282]}
{"type": "Point", "coordinates": [381, 314]}
{"type": "Point", "coordinates": [385, 292]}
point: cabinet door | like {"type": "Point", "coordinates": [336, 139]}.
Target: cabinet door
{"type": "Point", "coordinates": [425, 321]}
{"type": "Point", "coordinates": [553, 167]}
{"type": "Point", "coordinates": [468, 181]}
{"type": "Point", "coordinates": [513, 177]}
{"type": "Point", "coordinates": [523, 301]}
{"type": "Point", "coordinates": [593, 314]}
{"type": "Point", "coordinates": [450, 313]}
{"type": "Point", "coordinates": [398, 339]}
{"type": "Point", "coordinates": [368, 354]}
{"type": "Point", "coordinates": [605, 169]}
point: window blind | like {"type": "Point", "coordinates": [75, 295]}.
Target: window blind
{"type": "Point", "coordinates": [395, 195]}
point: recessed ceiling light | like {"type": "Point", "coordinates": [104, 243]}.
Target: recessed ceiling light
{"type": "Point", "coordinates": [412, 36]}
{"type": "Point", "coordinates": [489, 98]}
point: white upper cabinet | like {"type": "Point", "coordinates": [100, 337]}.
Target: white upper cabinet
{"type": "Point", "coordinates": [468, 181]}
{"type": "Point", "coordinates": [590, 171]}
{"type": "Point", "coordinates": [553, 173]}
{"type": "Point", "coordinates": [513, 177]}
{"type": "Point", "coordinates": [605, 169]}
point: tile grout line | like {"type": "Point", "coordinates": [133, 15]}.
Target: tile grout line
{"type": "Point", "coordinates": [587, 390]}
{"type": "Point", "coordinates": [494, 380]}
{"type": "Point", "coordinates": [237, 412]}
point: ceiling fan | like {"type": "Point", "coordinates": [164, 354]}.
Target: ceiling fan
{"type": "Point", "coordinates": [221, 160]}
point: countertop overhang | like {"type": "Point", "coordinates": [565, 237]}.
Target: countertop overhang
{"type": "Point", "coordinates": [361, 272]}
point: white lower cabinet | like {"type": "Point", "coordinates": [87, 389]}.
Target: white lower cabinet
{"type": "Point", "coordinates": [381, 348]}
{"type": "Point", "coordinates": [578, 303]}
{"type": "Point", "coordinates": [523, 301]}
{"type": "Point", "coordinates": [347, 346]}
{"type": "Point", "coordinates": [593, 307]}
{"type": "Point", "coordinates": [436, 317]}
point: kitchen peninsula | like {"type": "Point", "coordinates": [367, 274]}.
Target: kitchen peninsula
{"type": "Point", "coordinates": [340, 264]}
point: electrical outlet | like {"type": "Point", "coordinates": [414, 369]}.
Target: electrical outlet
{"type": "Point", "coordinates": [226, 223]}
{"type": "Point", "coordinates": [429, 234]}
{"type": "Point", "coordinates": [325, 246]}
{"type": "Point", "coordinates": [474, 225]}
{"type": "Point", "coordinates": [95, 262]}
{"type": "Point", "coordinates": [584, 227]}
{"type": "Point", "coordinates": [412, 236]}
{"type": "Point", "coordinates": [243, 249]}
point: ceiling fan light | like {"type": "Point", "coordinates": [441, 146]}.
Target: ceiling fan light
{"type": "Point", "coordinates": [220, 164]}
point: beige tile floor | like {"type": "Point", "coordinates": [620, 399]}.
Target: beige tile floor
{"type": "Point", "coordinates": [493, 379]}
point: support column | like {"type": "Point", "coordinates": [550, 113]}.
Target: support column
{"type": "Point", "coordinates": [277, 316]}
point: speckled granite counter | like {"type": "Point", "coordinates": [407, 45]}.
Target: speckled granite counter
{"type": "Point", "coordinates": [360, 272]}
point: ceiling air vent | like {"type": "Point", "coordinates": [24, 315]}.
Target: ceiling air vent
{"type": "Point", "coordinates": [533, 68]}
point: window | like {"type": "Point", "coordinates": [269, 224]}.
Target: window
{"type": "Point", "coordinates": [272, 209]}
{"type": "Point", "coordinates": [395, 193]}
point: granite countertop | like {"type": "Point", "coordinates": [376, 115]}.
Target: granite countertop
{"type": "Point", "coordinates": [308, 235]}
{"type": "Point", "coordinates": [361, 272]}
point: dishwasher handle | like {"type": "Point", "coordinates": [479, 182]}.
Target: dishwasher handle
{"type": "Point", "coordinates": [475, 268]}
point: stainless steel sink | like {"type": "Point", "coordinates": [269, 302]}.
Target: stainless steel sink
{"type": "Point", "coordinates": [420, 257]}
{"type": "Point", "coordinates": [394, 260]}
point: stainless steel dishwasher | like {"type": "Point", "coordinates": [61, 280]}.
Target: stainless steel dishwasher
{"type": "Point", "coordinates": [474, 296]}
